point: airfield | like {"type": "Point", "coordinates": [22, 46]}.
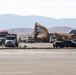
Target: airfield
{"type": "Point", "coordinates": [33, 61]}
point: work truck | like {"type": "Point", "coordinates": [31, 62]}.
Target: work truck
{"type": "Point", "coordinates": [11, 40]}
{"type": "Point", "coordinates": [65, 43]}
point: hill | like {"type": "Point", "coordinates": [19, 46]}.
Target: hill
{"type": "Point", "coordinates": [25, 24]}
{"type": "Point", "coordinates": [20, 31]}
{"type": "Point", "coordinates": [9, 21]}
{"type": "Point", "coordinates": [60, 29]}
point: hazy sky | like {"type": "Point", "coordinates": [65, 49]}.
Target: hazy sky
{"type": "Point", "coordinates": [48, 8]}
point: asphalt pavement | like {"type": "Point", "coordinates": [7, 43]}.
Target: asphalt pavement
{"type": "Point", "coordinates": [38, 62]}
{"type": "Point", "coordinates": [38, 45]}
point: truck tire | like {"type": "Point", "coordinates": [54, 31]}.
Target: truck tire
{"type": "Point", "coordinates": [58, 46]}
{"type": "Point", "coordinates": [53, 46]}
{"type": "Point", "coordinates": [16, 44]}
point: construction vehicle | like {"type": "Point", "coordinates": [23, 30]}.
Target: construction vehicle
{"type": "Point", "coordinates": [3, 34]}
{"type": "Point", "coordinates": [11, 40]}
{"type": "Point", "coordinates": [52, 39]}
{"type": "Point", "coordinates": [63, 36]}
{"type": "Point", "coordinates": [65, 43]}
{"type": "Point", "coordinates": [29, 39]}
{"type": "Point", "coordinates": [44, 38]}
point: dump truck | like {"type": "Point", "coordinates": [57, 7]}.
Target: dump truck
{"type": "Point", "coordinates": [3, 34]}
{"type": "Point", "coordinates": [11, 40]}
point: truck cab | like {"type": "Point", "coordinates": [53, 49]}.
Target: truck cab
{"type": "Point", "coordinates": [11, 40]}
{"type": "Point", "coordinates": [52, 39]}
{"type": "Point", "coordinates": [30, 39]}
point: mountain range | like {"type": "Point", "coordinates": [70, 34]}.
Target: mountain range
{"type": "Point", "coordinates": [23, 31]}
{"type": "Point", "coordinates": [25, 24]}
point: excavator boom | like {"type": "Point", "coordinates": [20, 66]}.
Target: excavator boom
{"type": "Point", "coordinates": [43, 28]}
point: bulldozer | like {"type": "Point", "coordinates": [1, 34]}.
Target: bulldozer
{"type": "Point", "coordinates": [44, 38]}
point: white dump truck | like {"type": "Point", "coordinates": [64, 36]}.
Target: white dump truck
{"type": "Point", "coordinates": [11, 40]}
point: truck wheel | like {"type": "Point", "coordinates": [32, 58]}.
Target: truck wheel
{"type": "Point", "coordinates": [58, 46]}
{"type": "Point", "coordinates": [16, 44]}
{"type": "Point", "coordinates": [53, 46]}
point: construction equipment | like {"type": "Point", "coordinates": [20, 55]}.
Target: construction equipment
{"type": "Point", "coordinates": [11, 40]}
{"type": "Point", "coordinates": [52, 39]}
{"type": "Point", "coordinates": [29, 39]}
{"type": "Point", "coordinates": [3, 34]}
{"type": "Point", "coordinates": [36, 32]}
{"type": "Point", "coordinates": [65, 36]}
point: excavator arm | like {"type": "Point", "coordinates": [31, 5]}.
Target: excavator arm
{"type": "Point", "coordinates": [43, 28]}
{"type": "Point", "coordinates": [36, 30]}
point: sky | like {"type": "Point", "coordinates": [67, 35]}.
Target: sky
{"type": "Point", "coordinates": [47, 8]}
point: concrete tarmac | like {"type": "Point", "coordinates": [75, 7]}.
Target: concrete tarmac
{"type": "Point", "coordinates": [30, 45]}
{"type": "Point", "coordinates": [38, 62]}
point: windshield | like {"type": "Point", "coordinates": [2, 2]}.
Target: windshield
{"type": "Point", "coordinates": [10, 38]}
{"type": "Point", "coordinates": [2, 35]}
{"type": "Point", "coordinates": [30, 38]}
{"type": "Point", "coordinates": [53, 37]}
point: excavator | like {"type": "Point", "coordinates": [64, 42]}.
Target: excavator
{"type": "Point", "coordinates": [64, 36]}
{"type": "Point", "coordinates": [36, 33]}
{"type": "Point", "coordinates": [60, 37]}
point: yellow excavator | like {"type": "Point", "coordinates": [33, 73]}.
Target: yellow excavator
{"type": "Point", "coordinates": [36, 32]}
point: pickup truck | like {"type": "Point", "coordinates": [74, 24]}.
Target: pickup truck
{"type": "Point", "coordinates": [29, 39]}
{"type": "Point", "coordinates": [66, 43]}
